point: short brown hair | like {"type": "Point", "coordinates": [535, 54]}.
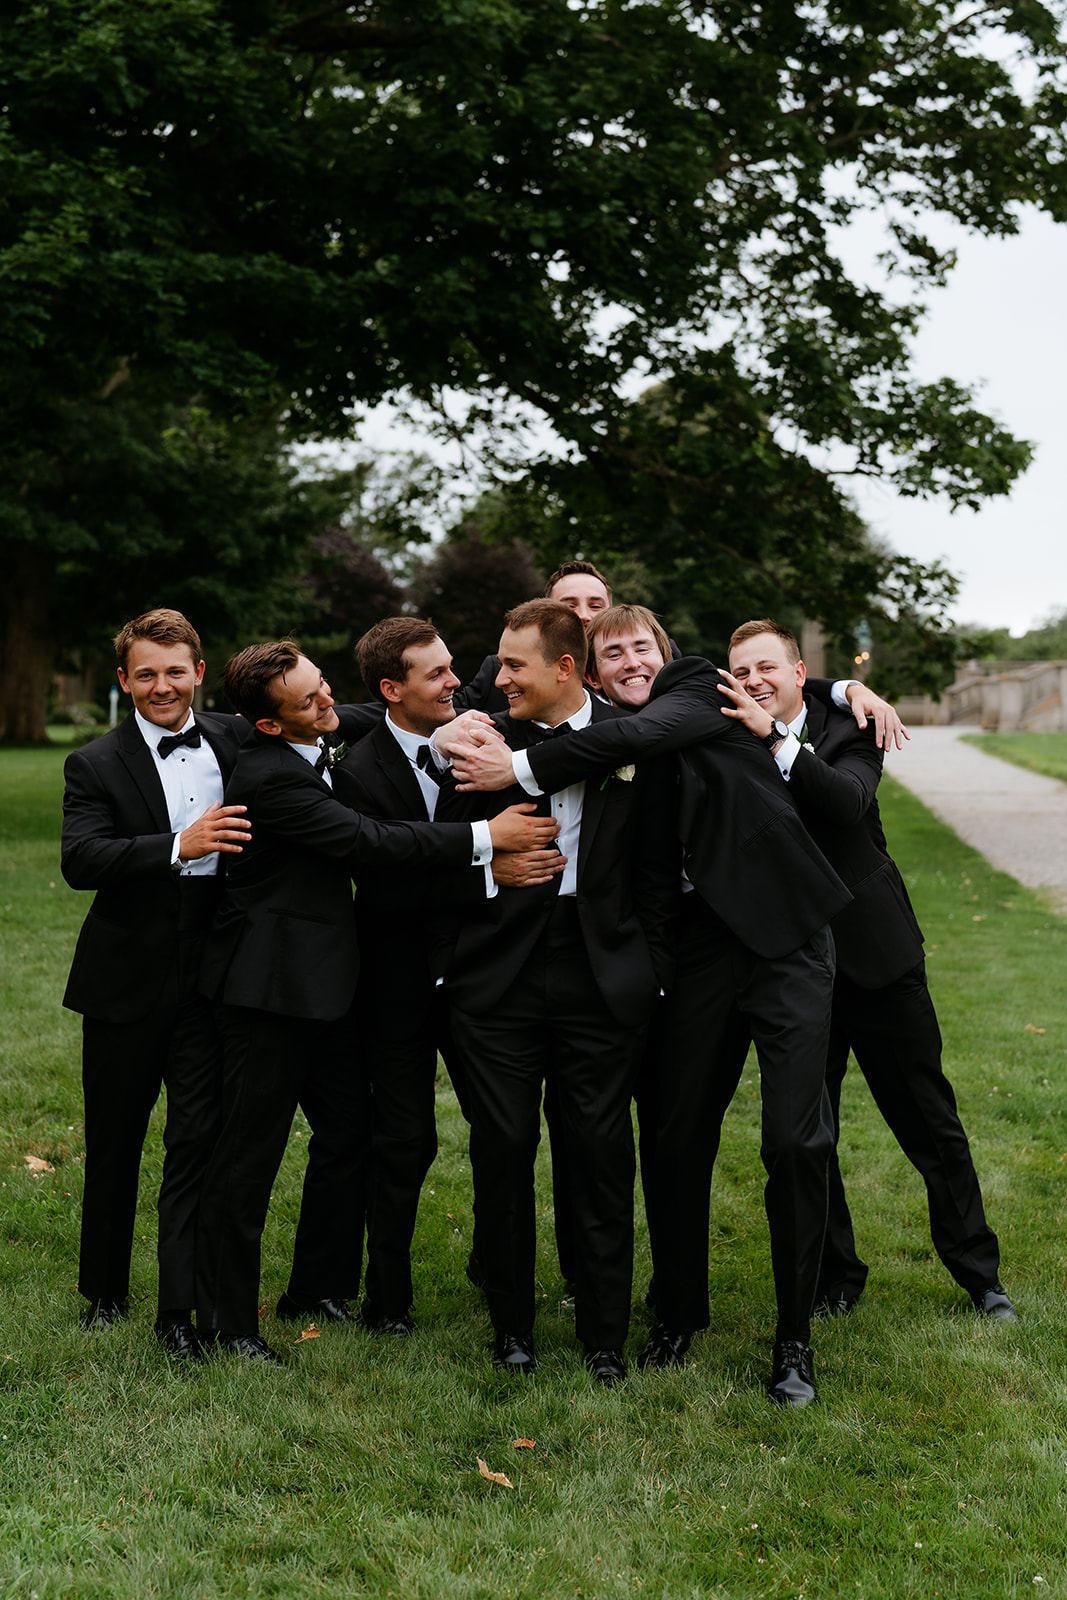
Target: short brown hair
{"type": "Point", "coordinates": [161, 627]}
{"type": "Point", "coordinates": [621, 619]}
{"type": "Point", "coordinates": [751, 630]}
{"type": "Point", "coordinates": [561, 631]}
{"type": "Point", "coordinates": [381, 651]}
{"type": "Point", "coordinates": [247, 677]}
{"type": "Point", "coordinates": [570, 569]}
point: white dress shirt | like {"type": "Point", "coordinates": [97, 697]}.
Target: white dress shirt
{"type": "Point", "coordinates": [191, 782]}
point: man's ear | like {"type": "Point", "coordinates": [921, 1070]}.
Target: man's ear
{"type": "Point", "coordinates": [199, 678]}
{"type": "Point", "coordinates": [124, 682]}
{"type": "Point", "coordinates": [802, 674]}
{"type": "Point", "coordinates": [390, 691]}
{"type": "Point", "coordinates": [565, 668]}
{"type": "Point", "coordinates": [268, 725]}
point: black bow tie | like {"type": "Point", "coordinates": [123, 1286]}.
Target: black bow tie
{"type": "Point", "coordinates": [322, 760]}
{"type": "Point", "coordinates": [537, 734]}
{"type": "Point", "coordinates": [423, 759]}
{"type": "Point", "coordinates": [171, 741]}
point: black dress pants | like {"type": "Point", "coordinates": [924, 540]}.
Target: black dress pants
{"type": "Point", "coordinates": [894, 1035]}
{"type": "Point", "coordinates": [273, 1063]}
{"type": "Point", "coordinates": [724, 995]}
{"type": "Point", "coordinates": [552, 1023]}
{"type": "Point", "coordinates": [124, 1067]}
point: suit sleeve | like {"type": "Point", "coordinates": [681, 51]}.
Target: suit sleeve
{"type": "Point", "coordinates": [839, 790]}
{"type": "Point", "coordinates": [658, 866]}
{"type": "Point", "coordinates": [355, 722]}
{"type": "Point", "coordinates": [686, 709]}
{"type": "Point", "coordinates": [94, 853]}
{"type": "Point", "coordinates": [297, 808]}
{"type": "Point", "coordinates": [482, 694]}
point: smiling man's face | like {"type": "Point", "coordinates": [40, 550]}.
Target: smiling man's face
{"type": "Point", "coordinates": [161, 679]}
{"type": "Point", "coordinates": [762, 665]}
{"type": "Point", "coordinates": [625, 665]}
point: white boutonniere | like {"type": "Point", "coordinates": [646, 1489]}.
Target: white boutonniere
{"type": "Point", "coordinates": [624, 775]}
{"type": "Point", "coordinates": [336, 754]}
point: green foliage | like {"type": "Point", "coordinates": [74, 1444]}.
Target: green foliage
{"type": "Point", "coordinates": [932, 1464]}
{"type": "Point", "coordinates": [235, 208]}
{"type": "Point", "coordinates": [1046, 642]}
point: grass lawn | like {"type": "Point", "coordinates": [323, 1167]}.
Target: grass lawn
{"type": "Point", "coordinates": [1041, 752]}
{"type": "Point", "coordinates": [935, 1464]}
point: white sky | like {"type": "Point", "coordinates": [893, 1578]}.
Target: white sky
{"type": "Point", "coordinates": [1000, 323]}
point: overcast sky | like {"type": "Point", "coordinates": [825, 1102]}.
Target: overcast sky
{"type": "Point", "coordinates": [1002, 319]}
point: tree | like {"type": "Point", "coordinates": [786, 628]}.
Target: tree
{"type": "Point", "coordinates": [468, 585]}
{"type": "Point", "coordinates": [255, 208]}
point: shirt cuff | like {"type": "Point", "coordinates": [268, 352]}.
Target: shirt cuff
{"type": "Point", "coordinates": [174, 850]}
{"type": "Point", "coordinates": [786, 754]}
{"type": "Point", "coordinates": [483, 844]}
{"type": "Point", "coordinates": [520, 765]}
{"type": "Point", "coordinates": [441, 762]}
{"type": "Point", "coordinates": [491, 885]}
{"type": "Point", "coordinates": [838, 695]}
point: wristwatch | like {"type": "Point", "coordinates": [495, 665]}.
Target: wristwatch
{"type": "Point", "coordinates": [779, 731]}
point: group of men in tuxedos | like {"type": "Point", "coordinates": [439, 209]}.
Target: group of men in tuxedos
{"type": "Point", "coordinates": [637, 867]}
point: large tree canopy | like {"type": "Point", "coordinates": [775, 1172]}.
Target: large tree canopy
{"type": "Point", "coordinates": [274, 213]}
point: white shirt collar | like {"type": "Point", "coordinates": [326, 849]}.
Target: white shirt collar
{"type": "Point", "coordinates": [796, 727]}
{"type": "Point", "coordinates": [310, 752]}
{"type": "Point", "coordinates": [580, 719]}
{"type": "Point", "coordinates": [151, 732]}
{"type": "Point", "coordinates": [410, 743]}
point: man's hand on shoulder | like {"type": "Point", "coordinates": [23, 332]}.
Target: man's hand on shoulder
{"type": "Point", "coordinates": [887, 725]}
{"type": "Point", "coordinates": [517, 829]}
{"type": "Point", "coordinates": [222, 828]}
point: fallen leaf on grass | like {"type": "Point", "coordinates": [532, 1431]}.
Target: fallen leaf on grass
{"type": "Point", "coordinates": [493, 1477]}
{"type": "Point", "coordinates": [524, 1444]}
{"type": "Point", "coordinates": [310, 1332]}
{"type": "Point", "coordinates": [36, 1164]}
{"type": "Point", "coordinates": [1028, 1029]}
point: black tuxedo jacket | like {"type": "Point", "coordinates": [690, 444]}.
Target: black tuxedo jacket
{"type": "Point", "coordinates": [117, 839]}
{"type": "Point", "coordinates": [285, 939]}
{"type": "Point", "coordinates": [833, 784]}
{"type": "Point", "coordinates": [629, 863]}
{"type": "Point", "coordinates": [746, 850]}
{"type": "Point", "coordinates": [375, 778]}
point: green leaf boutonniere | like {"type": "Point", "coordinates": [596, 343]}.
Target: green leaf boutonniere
{"type": "Point", "coordinates": [624, 775]}
{"type": "Point", "coordinates": [336, 754]}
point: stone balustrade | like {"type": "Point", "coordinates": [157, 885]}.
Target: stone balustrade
{"type": "Point", "coordinates": [999, 696]}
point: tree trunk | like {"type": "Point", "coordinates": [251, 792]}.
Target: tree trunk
{"type": "Point", "coordinates": [27, 648]}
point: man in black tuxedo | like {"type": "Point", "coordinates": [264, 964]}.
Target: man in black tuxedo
{"type": "Point", "coordinates": [282, 963]}
{"type": "Point", "coordinates": [882, 1009]}
{"type": "Point", "coordinates": [754, 953]}
{"type": "Point", "coordinates": [403, 1012]}
{"type": "Point", "coordinates": [144, 825]}
{"type": "Point", "coordinates": [558, 981]}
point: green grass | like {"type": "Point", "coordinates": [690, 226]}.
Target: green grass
{"type": "Point", "coordinates": [1041, 752]}
{"type": "Point", "coordinates": [933, 1466]}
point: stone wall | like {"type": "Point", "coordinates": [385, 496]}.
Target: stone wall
{"type": "Point", "coordinates": [999, 696]}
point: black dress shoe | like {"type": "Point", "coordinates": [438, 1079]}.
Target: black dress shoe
{"type": "Point", "coordinates": [514, 1352]}
{"type": "Point", "coordinates": [251, 1347]}
{"type": "Point", "coordinates": [103, 1314]}
{"type": "Point", "coordinates": [994, 1302]}
{"type": "Point", "coordinates": [326, 1310]}
{"type": "Point", "coordinates": [666, 1347]}
{"type": "Point", "coordinates": [838, 1305]}
{"type": "Point", "coordinates": [378, 1322]}
{"type": "Point", "coordinates": [793, 1374]}
{"type": "Point", "coordinates": [607, 1366]}
{"type": "Point", "coordinates": [179, 1340]}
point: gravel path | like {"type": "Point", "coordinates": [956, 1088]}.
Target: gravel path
{"type": "Point", "coordinates": [1017, 819]}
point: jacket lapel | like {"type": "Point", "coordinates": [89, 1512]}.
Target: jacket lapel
{"type": "Point", "coordinates": [140, 763]}
{"type": "Point", "coordinates": [816, 723]}
{"type": "Point", "coordinates": [396, 771]}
